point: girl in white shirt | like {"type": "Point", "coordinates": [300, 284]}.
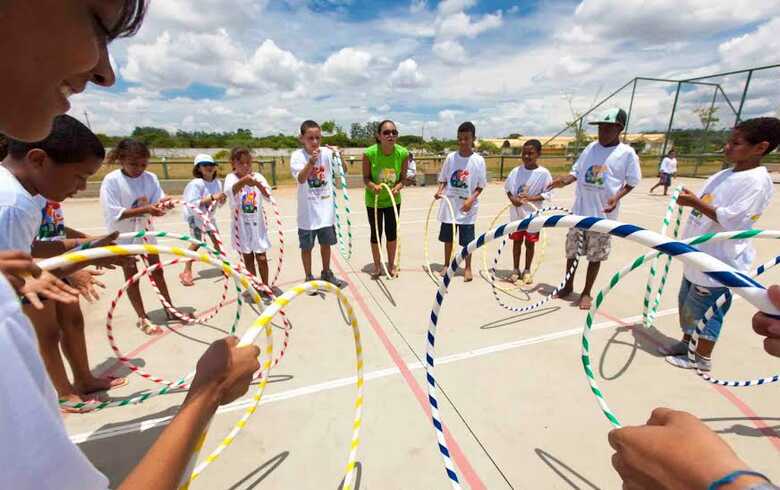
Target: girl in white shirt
{"type": "Point", "coordinates": [245, 190]}
{"type": "Point", "coordinates": [129, 196]}
{"type": "Point", "coordinates": [202, 191]}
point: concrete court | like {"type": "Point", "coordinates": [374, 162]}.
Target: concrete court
{"type": "Point", "coordinates": [517, 402]}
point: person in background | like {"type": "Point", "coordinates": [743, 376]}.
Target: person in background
{"type": "Point", "coordinates": [667, 171]}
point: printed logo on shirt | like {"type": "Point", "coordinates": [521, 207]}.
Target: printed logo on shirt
{"type": "Point", "coordinates": [755, 217]}
{"type": "Point", "coordinates": [249, 202]}
{"type": "Point", "coordinates": [316, 177]}
{"type": "Point", "coordinates": [52, 221]}
{"type": "Point", "coordinates": [387, 176]}
{"type": "Point", "coordinates": [706, 199]}
{"type": "Point", "coordinates": [523, 189]}
{"type": "Point", "coordinates": [140, 202]}
{"type": "Point", "coordinates": [460, 179]}
{"type": "Point", "coordinates": [595, 175]}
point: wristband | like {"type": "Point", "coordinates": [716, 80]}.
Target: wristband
{"type": "Point", "coordinates": [731, 477]}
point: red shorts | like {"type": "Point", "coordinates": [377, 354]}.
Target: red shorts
{"type": "Point", "coordinates": [518, 236]}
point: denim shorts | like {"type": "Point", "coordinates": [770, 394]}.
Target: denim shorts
{"type": "Point", "coordinates": [466, 233]}
{"type": "Point", "coordinates": [694, 301]}
{"type": "Point", "coordinates": [326, 236]}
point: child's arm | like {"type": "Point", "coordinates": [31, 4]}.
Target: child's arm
{"type": "Point", "coordinates": [367, 175]}
{"type": "Point", "coordinates": [243, 182]}
{"type": "Point", "coordinates": [223, 374]}
{"type": "Point", "coordinates": [468, 203]}
{"type": "Point", "coordinates": [689, 199]}
{"type": "Point", "coordinates": [303, 175]}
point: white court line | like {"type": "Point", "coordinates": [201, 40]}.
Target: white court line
{"type": "Point", "coordinates": [119, 430]}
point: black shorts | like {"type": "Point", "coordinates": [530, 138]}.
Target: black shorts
{"type": "Point", "coordinates": [385, 218]}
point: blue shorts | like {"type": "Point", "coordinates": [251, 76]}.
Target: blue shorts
{"type": "Point", "coordinates": [466, 233]}
{"type": "Point", "coordinates": [694, 301]}
{"type": "Point", "coordinates": [326, 236]}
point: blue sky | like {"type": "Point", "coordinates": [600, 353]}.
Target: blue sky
{"type": "Point", "coordinates": [508, 66]}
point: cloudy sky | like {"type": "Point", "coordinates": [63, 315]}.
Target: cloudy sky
{"type": "Point", "coordinates": [509, 66]}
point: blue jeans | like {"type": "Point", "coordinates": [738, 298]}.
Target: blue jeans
{"type": "Point", "coordinates": [694, 301]}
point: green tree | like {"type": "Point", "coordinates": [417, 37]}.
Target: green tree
{"type": "Point", "coordinates": [489, 147]}
{"type": "Point", "coordinates": [708, 116]}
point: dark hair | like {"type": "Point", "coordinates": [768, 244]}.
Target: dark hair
{"type": "Point", "coordinates": [238, 152]}
{"type": "Point", "coordinates": [468, 127]}
{"type": "Point", "coordinates": [536, 144]}
{"type": "Point", "coordinates": [128, 148]}
{"type": "Point", "coordinates": [307, 125]}
{"type": "Point", "coordinates": [761, 129]}
{"type": "Point", "coordinates": [130, 19]}
{"type": "Point", "coordinates": [199, 175]}
{"type": "Point", "coordinates": [69, 142]}
{"type": "Point", "coordinates": [379, 129]}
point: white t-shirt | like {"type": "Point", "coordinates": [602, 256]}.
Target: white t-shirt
{"type": "Point", "coordinates": [20, 214]}
{"type": "Point", "coordinates": [601, 172]}
{"type": "Point", "coordinates": [196, 191]}
{"type": "Point", "coordinates": [250, 233]}
{"type": "Point", "coordinates": [411, 169]}
{"type": "Point", "coordinates": [739, 198]}
{"type": "Point", "coordinates": [315, 196]}
{"type": "Point", "coordinates": [118, 193]}
{"type": "Point", "coordinates": [532, 182]}
{"type": "Point", "coordinates": [463, 175]}
{"type": "Point", "coordinates": [669, 165]}
{"type": "Point", "coordinates": [36, 453]}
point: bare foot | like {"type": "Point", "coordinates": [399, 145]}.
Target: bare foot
{"type": "Point", "coordinates": [148, 327]}
{"type": "Point", "coordinates": [585, 302]}
{"type": "Point", "coordinates": [186, 279]}
{"type": "Point", "coordinates": [443, 272]}
{"type": "Point", "coordinates": [376, 272]}
{"type": "Point", "coordinates": [394, 271]}
{"type": "Point", "coordinates": [467, 276]}
{"type": "Point", "coordinates": [95, 385]}
{"type": "Point", "coordinates": [563, 293]}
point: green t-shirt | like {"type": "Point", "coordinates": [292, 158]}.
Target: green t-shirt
{"type": "Point", "coordinates": [385, 169]}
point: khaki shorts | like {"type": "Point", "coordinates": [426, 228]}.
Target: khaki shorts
{"type": "Point", "coordinates": [596, 246]}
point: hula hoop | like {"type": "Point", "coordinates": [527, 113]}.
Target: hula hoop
{"type": "Point", "coordinates": [127, 362]}
{"type": "Point", "coordinates": [545, 299]}
{"type": "Point", "coordinates": [397, 228]}
{"type": "Point", "coordinates": [128, 250]}
{"type": "Point", "coordinates": [344, 250]}
{"type": "Point", "coordinates": [539, 256]}
{"type": "Point", "coordinates": [426, 236]}
{"type": "Point", "coordinates": [649, 311]}
{"type": "Point", "coordinates": [741, 283]}
{"type": "Point", "coordinates": [639, 262]}
{"type": "Point", "coordinates": [263, 323]}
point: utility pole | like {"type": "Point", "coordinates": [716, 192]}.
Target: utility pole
{"type": "Point", "coordinates": [86, 115]}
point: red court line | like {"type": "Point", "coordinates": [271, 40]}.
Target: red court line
{"type": "Point", "coordinates": [458, 457]}
{"type": "Point", "coordinates": [772, 436]}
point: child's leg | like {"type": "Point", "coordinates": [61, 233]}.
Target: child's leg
{"type": "Point", "coordinates": [186, 276]}
{"type": "Point", "coordinates": [159, 279]}
{"type": "Point", "coordinates": [325, 254]}
{"type": "Point", "coordinates": [447, 256]}
{"type": "Point", "coordinates": [517, 250]}
{"type": "Point", "coordinates": [306, 242]}
{"type": "Point", "coordinates": [262, 267]}
{"type": "Point", "coordinates": [214, 241]}
{"type": "Point", "coordinates": [572, 238]}
{"type": "Point", "coordinates": [530, 248]}
{"type": "Point", "coordinates": [249, 263]}
{"type": "Point", "coordinates": [377, 258]}
{"type": "Point", "coordinates": [391, 228]}
{"type": "Point", "coordinates": [48, 331]}
{"type": "Point", "coordinates": [74, 346]}
{"type": "Point", "coordinates": [134, 292]}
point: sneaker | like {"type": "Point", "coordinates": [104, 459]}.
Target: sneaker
{"type": "Point", "coordinates": [515, 276]}
{"type": "Point", "coordinates": [527, 277]}
{"type": "Point", "coordinates": [277, 291]}
{"type": "Point", "coordinates": [331, 278]}
{"type": "Point", "coordinates": [313, 292]}
{"type": "Point", "coordinates": [702, 363]}
{"type": "Point", "coordinates": [679, 348]}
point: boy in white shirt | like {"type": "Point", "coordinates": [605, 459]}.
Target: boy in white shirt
{"type": "Point", "coordinates": [311, 168]}
{"type": "Point", "coordinates": [525, 184]}
{"type": "Point", "coordinates": [666, 172]}
{"type": "Point", "coordinates": [462, 178]}
{"type": "Point", "coordinates": [605, 172]}
{"type": "Point", "coordinates": [731, 200]}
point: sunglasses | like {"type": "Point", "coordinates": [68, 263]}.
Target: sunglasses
{"type": "Point", "coordinates": [390, 132]}
{"type": "Point", "coordinates": [207, 164]}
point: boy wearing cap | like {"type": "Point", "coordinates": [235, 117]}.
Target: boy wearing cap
{"type": "Point", "coordinates": [605, 172]}
{"type": "Point", "coordinates": [203, 191]}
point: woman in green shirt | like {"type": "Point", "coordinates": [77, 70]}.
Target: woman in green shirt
{"type": "Point", "coordinates": [384, 163]}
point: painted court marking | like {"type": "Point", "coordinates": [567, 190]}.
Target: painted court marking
{"type": "Point", "coordinates": [412, 365]}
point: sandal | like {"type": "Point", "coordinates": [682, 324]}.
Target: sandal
{"type": "Point", "coordinates": [148, 327]}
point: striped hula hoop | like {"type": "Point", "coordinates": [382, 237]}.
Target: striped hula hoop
{"type": "Point", "coordinates": [397, 229]}
{"type": "Point", "coordinates": [344, 249]}
{"type": "Point", "coordinates": [426, 236]}
{"type": "Point", "coordinates": [742, 285]}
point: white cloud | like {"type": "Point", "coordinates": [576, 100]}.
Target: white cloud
{"type": "Point", "coordinates": [349, 65]}
{"type": "Point", "coordinates": [459, 25]}
{"type": "Point", "coordinates": [407, 75]}
{"type": "Point", "coordinates": [418, 6]}
{"type": "Point", "coordinates": [451, 52]}
{"type": "Point", "coordinates": [448, 7]}
{"type": "Point", "coordinates": [755, 48]}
